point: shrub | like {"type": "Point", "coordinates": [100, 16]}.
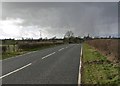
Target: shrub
{"type": "Point", "coordinates": [4, 49]}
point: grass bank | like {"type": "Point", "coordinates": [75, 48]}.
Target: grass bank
{"type": "Point", "coordinates": [97, 69]}
{"type": "Point", "coordinates": [16, 53]}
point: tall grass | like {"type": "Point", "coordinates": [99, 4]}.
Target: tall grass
{"type": "Point", "coordinates": [97, 70]}
{"type": "Point", "coordinates": [108, 47]}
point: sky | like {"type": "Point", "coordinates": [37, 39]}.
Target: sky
{"type": "Point", "coordinates": [60, 0]}
{"type": "Point", "coordinates": [28, 19]}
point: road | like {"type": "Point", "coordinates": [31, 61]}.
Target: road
{"type": "Point", "coordinates": [57, 65]}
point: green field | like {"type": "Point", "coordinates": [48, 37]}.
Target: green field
{"type": "Point", "coordinates": [97, 69]}
{"type": "Point", "coordinates": [15, 53]}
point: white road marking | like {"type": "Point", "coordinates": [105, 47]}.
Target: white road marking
{"type": "Point", "coordinates": [15, 70]}
{"type": "Point", "coordinates": [60, 49]}
{"type": "Point", "coordinates": [79, 76]}
{"type": "Point", "coordinates": [48, 55]}
{"type": "Point", "coordinates": [66, 47]}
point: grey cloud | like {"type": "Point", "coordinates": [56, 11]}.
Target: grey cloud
{"type": "Point", "coordinates": [60, 0]}
{"type": "Point", "coordinates": [82, 18]}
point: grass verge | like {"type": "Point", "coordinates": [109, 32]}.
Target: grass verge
{"type": "Point", "coordinates": [12, 54]}
{"type": "Point", "coordinates": [97, 69]}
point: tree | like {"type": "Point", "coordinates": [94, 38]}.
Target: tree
{"type": "Point", "coordinates": [69, 34]}
{"type": "Point", "coordinates": [53, 39]}
{"type": "Point", "coordinates": [69, 37]}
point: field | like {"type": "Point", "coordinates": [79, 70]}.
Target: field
{"type": "Point", "coordinates": [108, 47]}
{"type": "Point", "coordinates": [96, 69]}
{"type": "Point", "coordinates": [10, 50]}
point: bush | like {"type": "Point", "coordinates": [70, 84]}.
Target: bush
{"type": "Point", "coordinates": [29, 46]}
{"type": "Point", "coordinates": [4, 49]}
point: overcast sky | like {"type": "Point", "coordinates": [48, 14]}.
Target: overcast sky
{"type": "Point", "coordinates": [25, 19]}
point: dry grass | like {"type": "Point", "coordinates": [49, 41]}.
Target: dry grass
{"type": "Point", "coordinates": [97, 70]}
{"type": "Point", "coordinates": [108, 47]}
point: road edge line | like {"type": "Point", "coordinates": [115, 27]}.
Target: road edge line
{"type": "Point", "coordinates": [79, 76]}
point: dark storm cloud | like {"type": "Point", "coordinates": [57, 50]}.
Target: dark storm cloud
{"type": "Point", "coordinates": [97, 18]}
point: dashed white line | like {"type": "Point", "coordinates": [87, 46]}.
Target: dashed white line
{"type": "Point", "coordinates": [48, 55]}
{"type": "Point", "coordinates": [15, 71]}
{"type": "Point", "coordinates": [66, 47]}
{"type": "Point", "coordinates": [23, 67]}
{"type": "Point", "coordinates": [60, 49]}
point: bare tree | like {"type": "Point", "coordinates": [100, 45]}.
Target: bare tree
{"type": "Point", "coordinates": [69, 37]}
{"type": "Point", "coordinates": [69, 34]}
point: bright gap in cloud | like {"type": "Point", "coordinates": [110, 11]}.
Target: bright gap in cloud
{"type": "Point", "coordinates": [12, 28]}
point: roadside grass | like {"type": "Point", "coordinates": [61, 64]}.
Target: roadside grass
{"type": "Point", "coordinates": [97, 69]}
{"type": "Point", "coordinates": [12, 54]}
